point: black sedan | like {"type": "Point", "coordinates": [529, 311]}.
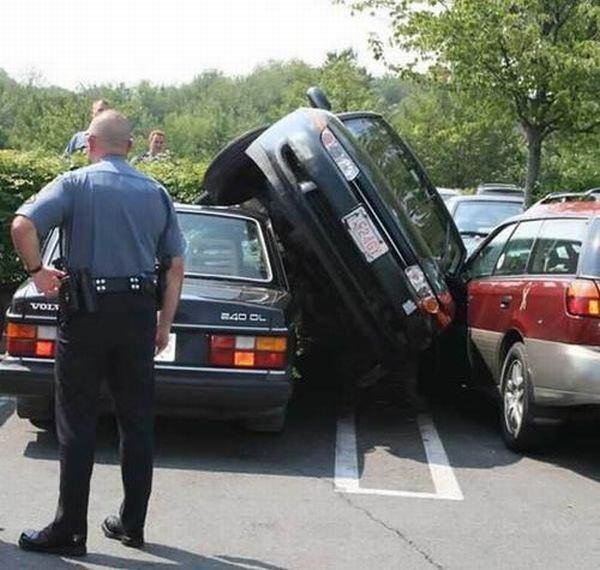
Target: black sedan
{"type": "Point", "coordinates": [229, 355]}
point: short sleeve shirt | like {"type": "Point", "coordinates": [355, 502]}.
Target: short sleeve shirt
{"type": "Point", "coordinates": [116, 221]}
{"type": "Point", "coordinates": [76, 143]}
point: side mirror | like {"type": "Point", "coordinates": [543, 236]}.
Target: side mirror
{"type": "Point", "coordinates": [318, 99]}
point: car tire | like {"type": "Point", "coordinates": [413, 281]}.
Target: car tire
{"type": "Point", "coordinates": [273, 423]}
{"type": "Point", "coordinates": [44, 425]}
{"type": "Point", "coordinates": [518, 411]}
{"type": "Point", "coordinates": [38, 410]}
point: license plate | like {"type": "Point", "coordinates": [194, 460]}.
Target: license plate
{"type": "Point", "coordinates": [365, 234]}
{"type": "Point", "coordinates": [168, 354]}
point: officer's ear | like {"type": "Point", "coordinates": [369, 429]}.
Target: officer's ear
{"type": "Point", "coordinates": [129, 144]}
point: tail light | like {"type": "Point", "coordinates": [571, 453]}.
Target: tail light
{"type": "Point", "coordinates": [238, 351]}
{"type": "Point", "coordinates": [30, 340]}
{"type": "Point", "coordinates": [342, 159]}
{"type": "Point", "coordinates": [428, 301]}
{"type": "Point", "coordinates": [583, 298]}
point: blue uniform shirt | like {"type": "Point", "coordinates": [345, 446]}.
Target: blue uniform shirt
{"type": "Point", "coordinates": [116, 221]}
{"type": "Point", "coordinates": [76, 143]}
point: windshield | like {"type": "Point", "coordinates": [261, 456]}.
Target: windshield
{"type": "Point", "coordinates": [480, 218]}
{"type": "Point", "coordinates": [405, 193]}
{"type": "Point", "coordinates": [224, 246]}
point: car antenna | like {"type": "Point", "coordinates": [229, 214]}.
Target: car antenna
{"type": "Point", "coordinates": [318, 99]}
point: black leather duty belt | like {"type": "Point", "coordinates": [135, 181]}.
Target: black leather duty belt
{"type": "Point", "coordinates": [133, 284]}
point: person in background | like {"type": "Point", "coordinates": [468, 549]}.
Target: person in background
{"type": "Point", "coordinates": [77, 141]}
{"type": "Point", "coordinates": [115, 224]}
{"type": "Point", "coordinates": [157, 148]}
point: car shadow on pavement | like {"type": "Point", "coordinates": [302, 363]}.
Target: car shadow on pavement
{"type": "Point", "coordinates": [469, 427]}
{"type": "Point", "coordinates": [6, 411]}
{"type": "Point", "coordinates": [158, 556]}
{"type": "Point", "coordinates": [304, 449]}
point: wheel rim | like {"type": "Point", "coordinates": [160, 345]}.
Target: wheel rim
{"type": "Point", "coordinates": [514, 397]}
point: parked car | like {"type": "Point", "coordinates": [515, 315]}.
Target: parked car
{"type": "Point", "coordinates": [370, 245]}
{"type": "Point", "coordinates": [496, 188]}
{"type": "Point", "coordinates": [533, 316]}
{"type": "Point", "coordinates": [476, 216]}
{"type": "Point", "coordinates": [230, 351]}
{"type": "Point", "coordinates": [447, 193]}
{"type": "Point", "coordinates": [591, 195]}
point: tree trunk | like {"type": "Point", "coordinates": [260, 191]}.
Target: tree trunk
{"type": "Point", "coordinates": [534, 160]}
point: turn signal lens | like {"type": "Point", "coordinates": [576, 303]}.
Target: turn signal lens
{"type": "Point", "coordinates": [274, 343]}
{"type": "Point", "coordinates": [30, 340]}
{"type": "Point", "coordinates": [241, 351]}
{"type": "Point", "coordinates": [14, 330]}
{"type": "Point", "coordinates": [583, 298]}
{"type": "Point", "coordinates": [44, 348]}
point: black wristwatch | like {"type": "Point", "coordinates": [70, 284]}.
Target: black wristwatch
{"type": "Point", "coordinates": [35, 269]}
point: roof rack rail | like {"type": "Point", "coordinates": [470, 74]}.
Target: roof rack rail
{"type": "Point", "coordinates": [559, 197]}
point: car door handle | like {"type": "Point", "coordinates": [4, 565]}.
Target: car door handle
{"type": "Point", "coordinates": [505, 301]}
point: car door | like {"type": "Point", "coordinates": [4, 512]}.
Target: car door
{"type": "Point", "coordinates": [495, 292]}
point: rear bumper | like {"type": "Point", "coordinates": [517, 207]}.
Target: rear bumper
{"type": "Point", "coordinates": [564, 374]}
{"type": "Point", "coordinates": [202, 392]}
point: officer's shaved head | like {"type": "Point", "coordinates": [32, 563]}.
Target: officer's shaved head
{"type": "Point", "coordinates": [109, 133]}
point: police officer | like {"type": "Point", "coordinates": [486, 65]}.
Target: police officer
{"type": "Point", "coordinates": [115, 223]}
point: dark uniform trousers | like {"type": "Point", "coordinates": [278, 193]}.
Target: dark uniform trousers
{"type": "Point", "coordinates": [115, 343]}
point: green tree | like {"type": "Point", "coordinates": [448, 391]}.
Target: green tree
{"type": "Point", "coordinates": [538, 61]}
{"type": "Point", "coordinates": [459, 145]}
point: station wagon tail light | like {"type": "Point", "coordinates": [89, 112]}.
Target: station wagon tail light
{"type": "Point", "coordinates": [339, 155]}
{"type": "Point", "coordinates": [30, 340]}
{"type": "Point", "coordinates": [240, 351]}
{"type": "Point", "coordinates": [583, 298]}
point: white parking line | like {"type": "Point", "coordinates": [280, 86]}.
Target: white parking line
{"type": "Point", "coordinates": [347, 479]}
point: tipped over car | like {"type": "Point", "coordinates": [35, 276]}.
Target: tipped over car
{"type": "Point", "coordinates": [372, 251]}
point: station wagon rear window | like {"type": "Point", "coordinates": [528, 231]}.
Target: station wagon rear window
{"type": "Point", "coordinates": [224, 247]}
{"type": "Point", "coordinates": [405, 194]}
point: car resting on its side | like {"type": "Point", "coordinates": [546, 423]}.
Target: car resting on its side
{"type": "Point", "coordinates": [371, 249]}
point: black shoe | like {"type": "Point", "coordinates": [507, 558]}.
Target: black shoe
{"type": "Point", "coordinates": [50, 541]}
{"type": "Point", "coordinates": [113, 528]}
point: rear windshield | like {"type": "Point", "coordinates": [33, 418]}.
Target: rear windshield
{"type": "Point", "coordinates": [405, 193]}
{"type": "Point", "coordinates": [481, 217]}
{"type": "Point", "coordinates": [221, 246]}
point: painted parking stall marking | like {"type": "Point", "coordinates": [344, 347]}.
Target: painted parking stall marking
{"type": "Point", "coordinates": [347, 478]}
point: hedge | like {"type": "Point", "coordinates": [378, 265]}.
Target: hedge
{"type": "Point", "coordinates": [25, 173]}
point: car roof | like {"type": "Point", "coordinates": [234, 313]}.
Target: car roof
{"type": "Point", "coordinates": [222, 210]}
{"type": "Point", "coordinates": [561, 209]}
{"type": "Point", "coordinates": [486, 198]}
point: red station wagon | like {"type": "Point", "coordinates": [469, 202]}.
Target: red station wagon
{"type": "Point", "coordinates": [534, 316]}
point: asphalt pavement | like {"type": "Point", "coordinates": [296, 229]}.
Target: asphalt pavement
{"type": "Point", "coordinates": [374, 487]}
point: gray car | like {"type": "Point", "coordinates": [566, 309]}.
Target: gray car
{"type": "Point", "coordinates": [476, 216]}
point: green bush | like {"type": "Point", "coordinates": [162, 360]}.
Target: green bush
{"type": "Point", "coordinates": [182, 177]}
{"type": "Point", "coordinates": [22, 174]}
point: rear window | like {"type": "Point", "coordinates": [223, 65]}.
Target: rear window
{"type": "Point", "coordinates": [222, 246]}
{"type": "Point", "coordinates": [405, 193]}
